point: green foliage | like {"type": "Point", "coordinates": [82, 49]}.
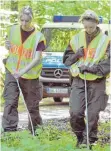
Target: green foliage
{"type": "Point", "coordinates": [104, 134]}
{"type": "Point", "coordinates": [58, 39]}
{"type": "Point", "coordinates": [48, 138]}
{"type": "Point", "coordinates": [45, 10]}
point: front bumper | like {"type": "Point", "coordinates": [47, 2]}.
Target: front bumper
{"type": "Point", "coordinates": [55, 87]}
{"type": "Point", "coordinates": [55, 80]}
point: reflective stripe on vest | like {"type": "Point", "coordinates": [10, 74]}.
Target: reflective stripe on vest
{"type": "Point", "coordinates": [76, 41]}
{"type": "Point", "coordinates": [11, 32]}
{"type": "Point", "coordinates": [24, 53]}
{"type": "Point", "coordinates": [98, 52]}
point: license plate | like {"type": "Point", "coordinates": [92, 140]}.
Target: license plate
{"type": "Point", "coordinates": [57, 90]}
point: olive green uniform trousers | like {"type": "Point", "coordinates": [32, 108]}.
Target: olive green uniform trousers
{"type": "Point", "coordinates": [32, 93]}
{"type": "Point", "coordinates": [97, 101]}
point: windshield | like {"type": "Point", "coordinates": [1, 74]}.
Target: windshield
{"type": "Point", "coordinates": [58, 39]}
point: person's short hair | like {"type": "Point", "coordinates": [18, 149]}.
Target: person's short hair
{"type": "Point", "coordinates": [26, 10]}
{"type": "Point", "coordinates": [89, 15]}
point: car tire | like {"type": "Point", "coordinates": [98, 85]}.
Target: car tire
{"type": "Point", "coordinates": [57, 99]}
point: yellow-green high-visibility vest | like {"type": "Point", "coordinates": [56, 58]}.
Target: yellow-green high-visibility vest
{"type": "Point", "coordinates": [92, 54]}
{"type": "Point", "coordinates": [20, 55]}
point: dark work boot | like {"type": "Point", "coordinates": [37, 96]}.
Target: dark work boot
{"type": "Point", "coordinates": [7, 132]}
{"type": "Point", "coordinates": [10, 130]}
{"type": "Point", "coordinates": [84, 144]}
{"type": "Point", "coordinates": [79, 141]}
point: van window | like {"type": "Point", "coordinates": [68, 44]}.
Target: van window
{"type": "Point", "coordinates": [57, 39]}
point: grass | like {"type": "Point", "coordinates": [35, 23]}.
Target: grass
{"type": "Point", "coordinates": [49, 138]}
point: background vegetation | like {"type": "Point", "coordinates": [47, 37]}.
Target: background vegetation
{"type": "Point", "coordinates": [49, 138]}
{"type": "Point", "coordinates": [44, 10]}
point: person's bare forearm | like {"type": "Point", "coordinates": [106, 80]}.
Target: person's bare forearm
{"type": "Point", "coordinates": [30, 66]}
{"type": "Point", "coordinates": [34, 62]}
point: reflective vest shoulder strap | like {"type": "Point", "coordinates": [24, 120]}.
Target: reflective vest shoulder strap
{"type": "Point", "coordinates": [12, 31]}
{"type": "Point", "coordinates": [38, 36]}
{"type": "Point", "coordinates": [100, 44]}
{"type": "Point", "coordinates": [76, 42]}
{"type": "Point", "coordinates": [77, 39]}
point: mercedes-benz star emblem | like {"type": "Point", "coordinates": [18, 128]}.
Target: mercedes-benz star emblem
{"type": "Point", "coordinates": [58, 73]}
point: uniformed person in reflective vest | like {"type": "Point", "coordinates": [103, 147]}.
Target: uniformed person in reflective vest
{"type": "Point", "coordinates": [88, 53]}
{"type": "Point", "coordinates": [25, 45]}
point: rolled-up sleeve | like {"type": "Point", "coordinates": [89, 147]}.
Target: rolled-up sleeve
{"type": "Point", "coordinates": [41, 46]}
